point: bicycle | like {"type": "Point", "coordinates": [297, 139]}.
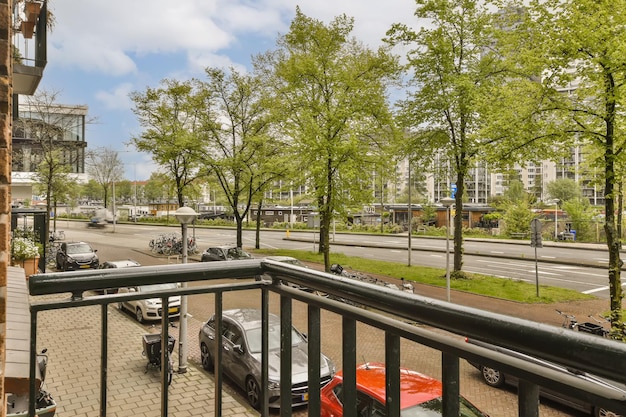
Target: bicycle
{"type": "Point", "coordinates": [51, 253]}
{"type": "Point", "coordinates": [152, 350]}
{"type": "Point", "coordinates": [570, 322]}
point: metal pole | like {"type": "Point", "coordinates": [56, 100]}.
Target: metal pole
{"type": "Point", "coordinates": [448, 252]}
{"type": "Point", "coordinates": [410, 211]}
{"type": "Point", "coordinates": [182, 336]}
{"type": "Point", "coordinates": [105, 216]}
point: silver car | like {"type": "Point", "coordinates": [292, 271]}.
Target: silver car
{"type": "Point", "coordinates": [150, 308]}
{"type": "Point", "coordinates": [241, 356]}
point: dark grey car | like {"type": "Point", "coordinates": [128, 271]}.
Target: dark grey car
{"type": "Point", "coordinates": [224, 253]}
{"type": "Point", "coordinates": [73, 256]}
{"type": "Point", "coordinates": [496, 378]}
{"type": "Point", "coordinates": [241, 356]}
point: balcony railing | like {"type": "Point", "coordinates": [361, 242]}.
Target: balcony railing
{"type": "Point", "coordinates": [384, 308]}
{"type": "Point", "coordinates": [33, 56]}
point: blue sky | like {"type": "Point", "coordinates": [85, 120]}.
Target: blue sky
{"type": "Point", "coordinates": [101, 50]}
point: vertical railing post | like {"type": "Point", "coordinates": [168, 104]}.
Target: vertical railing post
{"type": "Point", "coordinates": [392, 373]}
{"type": "Point", "coordinates": [264, 352]}
{"type": "Point", "coordinates": [528, 399]}
{"type": "Point", "coordinates": [104, 352]}
{"type": "Point", "coordinates": [217, 369]}
{"type": "Point", "coordinates": [315, 353]}
{"type": "Point", "coordinates": [349, 366]}
{"type": "Point", "coordinates": [450, 379]}
{"type": "Point", "coordinates": [285, 356]}
{"type": "Point", "coordinates": [165, 322]}
{"type": "Point", "coordinates": [33, 363]}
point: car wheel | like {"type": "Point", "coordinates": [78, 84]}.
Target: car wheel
{"type": "Point", "coordinates": [253, 392]}
{"type": "Point", "coordinates": [601, 412]}
{"type": "Point", "coordinates": [492, 377]}
{"type": "Point", "coordinates": [205, 356]}
{"type": "Point", "coordinates": [139, 315]}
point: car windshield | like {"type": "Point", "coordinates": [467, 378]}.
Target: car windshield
{"type": "Point", "coordinates": [237, 253]}
{"type": "Point", "coordinates": [434, 408]}
{"type": "Point", "coordinates": [157, 287]}
{"type": "Point", "coordinates": [78, 248]}
{"type": "Point", "coordinates": [253, 336]}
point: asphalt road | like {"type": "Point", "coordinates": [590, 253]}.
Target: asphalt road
{"type": "Point", "coordinates": [581, 267]}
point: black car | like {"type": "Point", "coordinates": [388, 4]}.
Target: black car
{"type": "Point", "coordinates": [224, 253]}
{"type": "Point", "coordinates": [73, 256]}
{"type": "Point", "coordinates": [496, 378]}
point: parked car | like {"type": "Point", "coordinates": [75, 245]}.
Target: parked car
{"type": "Point", "coordinates": [150, 308]}
{"type": "Point", "coordinates": [496, 378]}
{"type": "Point", "coordinates": [126, 263]}
{"type": "Point", "coordinates": [241, 356]}
{"type": "Point", "coordinates": [288, 260]}
{"type": "Point", "coordinates": [224, 253]}
{"type": "Point", "coordinates": [420, 395]}
{"type": "Point", "coordinates": [72, 256]}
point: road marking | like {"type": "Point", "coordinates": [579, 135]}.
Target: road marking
{"type": "Point", "coordinates": [493, 251]}
{"type": "Point", "coordinates": [600, 289]}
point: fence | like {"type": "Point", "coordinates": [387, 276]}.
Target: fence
{"type": "Point", "coordinates": [387, 309]}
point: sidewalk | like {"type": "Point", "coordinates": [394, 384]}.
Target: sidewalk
{"type": "Point", "coordinates": [72, 337]}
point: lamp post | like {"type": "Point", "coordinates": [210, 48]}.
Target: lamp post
{"type": "Point", "coordinates": [184, 215]}
{"type": "Point", "coordinates": [447, 202]}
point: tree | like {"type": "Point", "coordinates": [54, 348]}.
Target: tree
{"type": "Point", "coordinates": [577, 46]}
{"type": "Point", "coordinates": [329, 99]}
{"type": "Point", "coordinates": [105, 167]}
{"type": "Point", "coordinates": [56, 159]}
{"type": "Point", "coordinates": [563, 189]}
{"type": "Point", "coordinates": [238, 148]}
{"type": "Point", "coordinates": [170, 118]}
{"type": "Point", "coordinates": [453, 68]}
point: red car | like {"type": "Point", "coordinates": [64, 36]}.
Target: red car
{"type": "Point", "coordinates": [420, 395]}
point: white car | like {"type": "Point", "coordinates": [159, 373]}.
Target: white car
{"type": "Point", "coordinates": [150, 308]}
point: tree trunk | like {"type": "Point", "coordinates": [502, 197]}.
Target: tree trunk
{"type": "Point", "coordinates": [239, 221]}
{"type": "Point", "coordinates": [612, 239]}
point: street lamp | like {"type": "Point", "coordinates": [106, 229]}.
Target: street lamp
{"type": "Point", "coordinates": [447, 202]}
{"type": "Point", "coordinates": [184, 215]}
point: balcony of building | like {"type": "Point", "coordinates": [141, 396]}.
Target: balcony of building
{"type": "Point", "coordinates": [29, 45]}
{"type": "Point", "coordinates": [401, 318]}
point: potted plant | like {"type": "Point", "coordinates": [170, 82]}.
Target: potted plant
{"type": "Point", "coordinates": [25, 253]}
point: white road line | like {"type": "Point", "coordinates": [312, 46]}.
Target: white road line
{"type": "Point", "coordinates": [600, 289]}
{"type": "Point", "coordinates": [493, 251]}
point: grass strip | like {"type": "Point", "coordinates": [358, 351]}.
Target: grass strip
{"type": "Point", "coordinates": [503, 288]}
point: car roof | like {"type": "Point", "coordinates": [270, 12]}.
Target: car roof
{"type": "Point", "coordinates": [123, 263]}
{"type": "Point", "coordinates": [249, 318]}
{"type": "Point", "coordinates": [415, 388]}
{"type": "Point", "coordinates": [286, 259]}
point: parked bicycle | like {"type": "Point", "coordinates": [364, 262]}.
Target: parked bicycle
{"type": "Point", "coordinates": [172, 244]}
{"type": "Point", "coordinates": [570, 322]}
{"type": "Point", "coordinates": [152, 350]}
{"type": "Point", "coordinates": [51, 253]}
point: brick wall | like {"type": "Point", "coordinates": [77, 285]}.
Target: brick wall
{"type": "Point", "coordinates": [6, 92]}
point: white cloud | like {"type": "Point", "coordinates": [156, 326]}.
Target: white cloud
{"type": "Point", "coordinates": [117, 99]}
{"type": "Point", "coordinates": [104, 35]}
